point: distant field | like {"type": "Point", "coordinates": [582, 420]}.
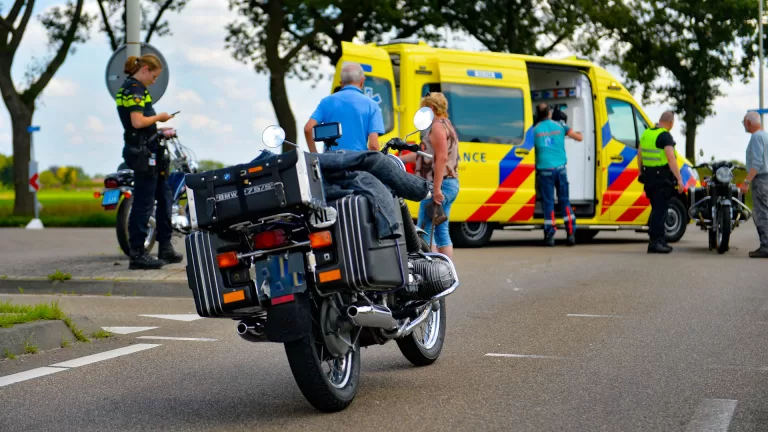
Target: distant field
{"type": "Point", "coordinates": [60, 209]}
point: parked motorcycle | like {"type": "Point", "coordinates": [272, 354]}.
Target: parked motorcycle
{"type": "Point", "coordinates": [718, 205]}
{"type": "Point", "coordinates": [118, 192]}
{"type": "Point", "coordinates": [313, 275]}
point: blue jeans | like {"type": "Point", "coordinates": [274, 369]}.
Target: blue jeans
{"type": "Point", "coordinates": [547, 180]}
{"type": "Point", "coordinates": [442, 238]}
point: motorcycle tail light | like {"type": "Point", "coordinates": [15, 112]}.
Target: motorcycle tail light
{"type": "Point", "coordinates": [319, 240]}
{"type": "Point", "coordinates": [227, 259]}
{"type": "Point", "coordinates": [111, 183]}
{"type": "Point", "coordinates": [270, 239]}
{"type": "Point", "coordinates": [127, 194]}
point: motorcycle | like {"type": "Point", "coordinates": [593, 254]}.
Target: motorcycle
{"type": "Point", "coordinates": [718, 205]}
{"type": "Point", "coordinates": [298, 271]}
{"type": "Point", "coordinates": [118, 192]}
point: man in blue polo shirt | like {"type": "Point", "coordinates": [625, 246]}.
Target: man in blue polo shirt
{"type": "Point", "coordinates": [549, 140]}
{"type": "Point", "coordinates": [360, 117]}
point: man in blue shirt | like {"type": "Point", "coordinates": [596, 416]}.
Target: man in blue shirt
{"type": "Point", "coordinates": [549, 141]}
{"type": "Point", "coordinates": [360, 117]}
{"type": "Point", "coordinates": [757, 178]}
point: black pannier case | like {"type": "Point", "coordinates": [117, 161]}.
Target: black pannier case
{"type": "Point", "coordinates": [289, 182]}
{"type": "Point", "coordinates": [363, 261]}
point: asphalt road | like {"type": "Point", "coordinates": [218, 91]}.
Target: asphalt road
{"type": "Point", "coordinates": [599, 337]}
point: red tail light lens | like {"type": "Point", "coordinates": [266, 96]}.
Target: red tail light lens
{"type": "Point", "coordinates": [270, 239]}
{"type": "Point", "coordinates": [111, 183]}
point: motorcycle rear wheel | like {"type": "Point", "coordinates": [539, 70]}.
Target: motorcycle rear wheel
{"type": "Point", "coordinates": [328, 391]}
{"type": "Point", "coordinates": [423, 346]}
{"type": "Point", "coordinates": [121, 228]}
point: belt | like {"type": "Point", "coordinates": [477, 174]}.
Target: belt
{"type": "Point", "coordinates": [557, 168]}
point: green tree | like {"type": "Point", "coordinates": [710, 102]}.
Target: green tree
{"type": "Point", "coordinates": [209, 165]}
{"type": "Point", "coordinates": [678, 50]}
{"type": "Point", "coordinates": [286, 38]}
{"type": "Point", "coordinates": [6, 171]}
{"type": "Point", "coordinates": [112, 13]}
{"type": "Point", "coordinates": [533, 27]}
{"type": "Point", "coordinates": [66, 25]}
{"type": "Point", "coordinates": [48, 180]}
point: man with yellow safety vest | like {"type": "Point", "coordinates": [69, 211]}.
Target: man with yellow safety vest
{"type": "Point", "coordinates": [658, 172]}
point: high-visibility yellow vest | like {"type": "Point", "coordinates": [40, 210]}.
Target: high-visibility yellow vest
{"type": "Point", "coordinates": [652, 156]}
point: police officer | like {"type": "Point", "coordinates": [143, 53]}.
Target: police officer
{"type": "Point", "coordinates": [659, 171]}
{"type": "Point", "coordinates": [148, 162]}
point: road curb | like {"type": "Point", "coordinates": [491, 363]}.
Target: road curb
{"type": "Point", "coordinates": [115, 287]}
{"type": "Point", "coordinates": [36, 336]}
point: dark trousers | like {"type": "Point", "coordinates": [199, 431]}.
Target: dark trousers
{"type": "Point", "coordinates": [148, 188]}
{"type": "Point", "coordinates": [659, 187]}
{"type": "Point", "coordinates": [547, 182]}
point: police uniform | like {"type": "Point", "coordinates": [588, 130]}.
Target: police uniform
{"type": "Point", "coordinates": [659, 183]}
{"type": "Point", "coordinates": [150, 165]}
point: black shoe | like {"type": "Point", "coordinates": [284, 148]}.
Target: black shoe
{"type": "Point", "coordinates": [658, 247]}
{"type": "Point", "coordinates": [167, 254]}
{"type": "Point", "coordinates": [571, 240]}
{"type": "Point", "coordinates": [759, 253]}
{"type": "Point", "coordinates": [144, 261]}
{"type": "Point", "coordinates": [549, 241]}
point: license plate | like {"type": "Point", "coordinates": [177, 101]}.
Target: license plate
{"type": "Point", "coordinates": [111, 197]}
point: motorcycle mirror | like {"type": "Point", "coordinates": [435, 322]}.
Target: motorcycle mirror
{"type": "Point", "coordinates": [423, 118]}
{"type": "Point", "coordinates": [701, 152]}
{"type": "Point", "coordinates": [273, 136]}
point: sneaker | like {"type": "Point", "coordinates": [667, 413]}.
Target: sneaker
{"type": "Point", "coordinates": [144, 261]}
{"type": "Point", "coordinates": [658, 247]}
{"type": "Point", "coordinates": [758, 253]}
{"type": "Point", "coordinates": [167, 254]}
{"type": "Point", "coordinates": [549, 241]}
{"type": "Point", "coordinates": [571, 240]}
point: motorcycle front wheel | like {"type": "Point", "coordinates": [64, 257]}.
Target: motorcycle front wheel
{"type": "Point", "coordinates": [720, 233]}
{"type": "Point", "coordinates": [423, 346]}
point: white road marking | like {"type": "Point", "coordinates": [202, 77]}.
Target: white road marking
{"type": "Point", "coordinates": [23, 376]}
{"type": "Point", "coordinates": [127, 330]}
{"type": "Point", "coordinates": [594, 316]}
{"type": "Point", "coordinates": [712, 415]}
{"type": "Point", "coordinates": [533, 356]}
{"type": "Point", "coordinates": [82, 361]}
{"type": "Point", "coordinates": [177, 338]}
{"type": "Point", "coordinates": [176, 317]}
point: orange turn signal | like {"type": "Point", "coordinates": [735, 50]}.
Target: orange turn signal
{"type": "Point", "coordinates": [127, 194]}
{"type": "Point", "coordinates": [320, 239]}
{"type": "Point", "coordinates": [330, 276]}
{"type": "Point", "coordinates": [235, 296]}
{"type": "Point", "coordinates": [97, 194]}
{"type": "Point", "coordinates": [227, 259]}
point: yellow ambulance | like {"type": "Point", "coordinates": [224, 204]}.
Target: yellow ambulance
{"type": "Point", "coordinates": [491, 98]}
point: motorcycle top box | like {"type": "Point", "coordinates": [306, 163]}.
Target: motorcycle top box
{"type": "Point", "coordinates": [222, 198]}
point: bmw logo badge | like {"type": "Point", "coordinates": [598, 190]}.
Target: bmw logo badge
{"type": "Point", "coordinates": [227, 176]}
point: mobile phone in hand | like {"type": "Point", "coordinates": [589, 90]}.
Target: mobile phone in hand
{"type": "Point", "coordinates": [175, 113]}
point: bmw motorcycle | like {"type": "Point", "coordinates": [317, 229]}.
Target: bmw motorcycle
{"type": "Point", "coordinates": [718, 206]}
{"type": "Point", "coordinates": [270, 252]}
{"type": "Point", "coordinates": [118, 192]}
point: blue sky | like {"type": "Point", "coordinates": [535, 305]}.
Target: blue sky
{"type": "Point", "coordinates": [224, 104]}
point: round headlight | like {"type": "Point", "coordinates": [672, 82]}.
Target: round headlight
{"type": "Point", "coordinates": [724, 175]}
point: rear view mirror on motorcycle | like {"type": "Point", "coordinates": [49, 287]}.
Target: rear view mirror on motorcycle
{"type": "Point", "coordinates": [273, 136]}
{"type": "Point", "coordinates": [423, 118]}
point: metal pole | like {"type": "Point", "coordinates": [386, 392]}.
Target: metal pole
{"type": "Point", "coordinates": [32, 154]}
{"type": "Point", "coordinates": [133, 27]}
{"type": "Point", "coordinates": [760, 37]}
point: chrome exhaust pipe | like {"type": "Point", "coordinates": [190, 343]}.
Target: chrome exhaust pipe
{"type": "Point", "coordinates": [372, 316]}
{"type": "Point", "coordinates": [252, 332]}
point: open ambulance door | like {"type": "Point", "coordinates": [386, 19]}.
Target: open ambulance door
{"type": "Point", "coordinates": [379, 81]}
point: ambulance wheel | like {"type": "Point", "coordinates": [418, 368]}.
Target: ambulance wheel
{"type": "Point", "coordinates": [676, 222]}
{"type": "Point", "coordinates": [470, 234]}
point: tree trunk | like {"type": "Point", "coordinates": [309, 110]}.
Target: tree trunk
{"type": "Point", "coordinates": [690, 140]}
{"type": "Point", "coordinates": [279, 96]}
{"type": "Point", "coordinates": [24, 204]}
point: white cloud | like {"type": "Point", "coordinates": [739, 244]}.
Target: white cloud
{"type": "Point", "coordinates": [76, 140]}
{"type": "Point", "coordinates": [69, 128]}
{"type": "Point", "coordinates": [222, 103]}
{"type": "Point", "coordinates": [213, 58]}
{"type": "Point", "coordinates": [93, 124]}
{"type": "Point", "coordinates": [200, 121]}
{"type": "Point", "coordinates": [190, 97]}
{"type": "Point", "coordinates": [61, 88]}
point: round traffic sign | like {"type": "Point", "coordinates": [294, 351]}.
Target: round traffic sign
{"type": "Point", "coordinates": [115, 76]}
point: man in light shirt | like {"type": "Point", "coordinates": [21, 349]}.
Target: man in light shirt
{"type": "Point", "coordinates": [757, 179]}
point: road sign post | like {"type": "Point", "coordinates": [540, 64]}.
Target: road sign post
{"type": "Point", "coordinates": [34, 180]}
